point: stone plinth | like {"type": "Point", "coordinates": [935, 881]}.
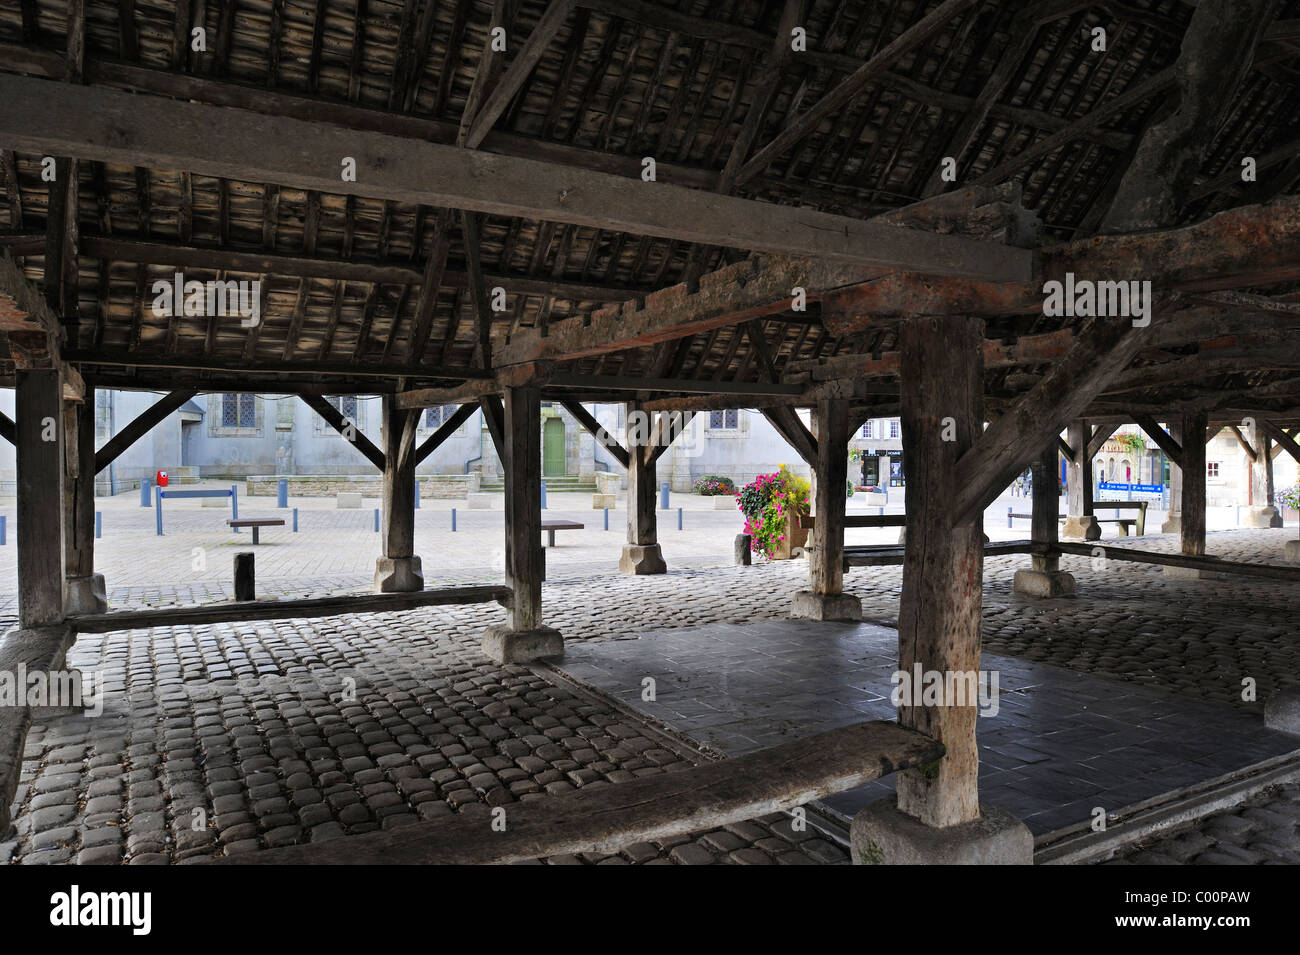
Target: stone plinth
{"type": "Point", "coordinates": [642, 559]}
{"type": "Point", "coordinates": [814, 606]}
{"type": "Point", "coordinates": [1081, 527]}
{"type": "Point", "coordinates": [882, 835]}
{"type": "Point", "coordinates": [1262, 517]}
{"type": "Point", "coordinates": [86, 595]}
{"type": "Point", "coordinates": [398, 575]}
{"type": "Point", "coordinates": [519, 646]}
{"type": "Point", "coordinates": [1043, 583]}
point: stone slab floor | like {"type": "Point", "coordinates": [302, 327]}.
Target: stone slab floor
{"type": "Point", "coordinates": [255, 725]}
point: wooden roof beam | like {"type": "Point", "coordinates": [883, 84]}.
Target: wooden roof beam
{"type": "Point", "coordinates": [106, 125]}
{"type": "Point", "coordinates": [1216, 54]}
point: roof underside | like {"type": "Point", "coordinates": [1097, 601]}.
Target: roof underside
{"type": "Point", "coordinates": [671, 80]}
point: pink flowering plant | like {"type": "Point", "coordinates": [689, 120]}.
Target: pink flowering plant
{"type": "Point", "coordinates": [711, 485]}
{"type": "Point", "coordinates": [769, 503]}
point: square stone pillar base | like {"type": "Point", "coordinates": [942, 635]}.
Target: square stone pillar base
{"type": "Point", "coordinates": [86, 595]}
{"type": "Point", "coordinates": [1173, 524]}
{"type": "Point", "coordinates": [1292, 550]}
{"type": "Point", "coordinates": [815, 606]}
{"type": "Point", "coordinates": [882, 835]}
{"type": "Point", "coordinates": [519, 646]}
{"type": "Point", "coordinates": [398, 575]}
{"type": "Point", "coordinates": [642, 559]}
{"type": "Point", "coordinates": [1262, 517]}
{"type": "Point", "coordinates": [1282, 711]}
{"type": "Point", "coordinates": [1043, 583]}
{"type": "Point", "coordinates": [1081, 527]}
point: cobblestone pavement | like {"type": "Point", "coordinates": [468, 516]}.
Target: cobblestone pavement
{"type": "Point", "coordinates": [249, 724]}
{"type": "Point", "coordinates": [1264, 830]}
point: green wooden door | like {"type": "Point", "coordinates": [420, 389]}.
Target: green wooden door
{"type": "Point", "coordinates": [553, 448]}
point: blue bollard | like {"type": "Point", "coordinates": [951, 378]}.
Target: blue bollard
{"type": "Point", "coordinates": [99, 524]}
{"type": "Point", "coordinates": [234, 504]}
{"type": "Point", "coordinates": [543, 495]}
{"type": "Point", "coordinates": [282, 493]}
{"type": "Point", "coordinates": [144, 492]}
{"type": "Point", "coordinates": [4, 522]}
{"type": "Point", "coordinates": [157, 510]}
{"type": "Point", "coordinates": [1008, 517]}
{"type": "Point", "coordinates": [607, 518]}
{"type": "Point", "coordinates": [376, 520]}
{"type": "Point", "coordinates": [417, 495]}
{"type": "Point", "coordinates": [295, 520]}
{"type": "Point", "coordinates": [663, 496]}
{"type": "Point", "coordinates": [679, 518]}
{"type": "Point", "coordinates": [453, 520]}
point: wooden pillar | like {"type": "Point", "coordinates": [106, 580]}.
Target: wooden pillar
{"type": "Point", "coordinates": [398, 570]}
{"type": "Point", "coordinates": [939, 614]}
{"type": "Point", "coordinates": [1174, 518]}
{"type": "Point", "coordinates": [524, 638]}
{"type": "Point", "coordinates": [824, 600]}
{"type": "Point", "coordinates": [1193, 489]}
{"type": "Point", "coordinates": [85, 588]}
{"type": "Point", "coordinates": [1262, 512]}
{"type": "Point", "coordinates": [1080, 524]}
{"type": "Point", "coordinates": [641, 553]}
{"type": "Point", "coordinates": [1046, 579]}
{"type": "Point", "coordinates": [41, 556]}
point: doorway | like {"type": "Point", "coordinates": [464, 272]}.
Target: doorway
{"type": "Point", "coordinates": [553, 448]}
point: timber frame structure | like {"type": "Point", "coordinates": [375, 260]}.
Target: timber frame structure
{"type": "Point", "coordinates": [495, 203]}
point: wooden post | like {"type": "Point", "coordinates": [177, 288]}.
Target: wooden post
{"type": "Point", "coordinates": [1080, 524]}
{"type": "Point", "coordinates": [39, 419]}
{"type": "Point", "coordinates": [1262, 512]}
{"type": "Point", "coordinates": [398, 570]}
{"type": "Point", "coordinates": [1046, 579]}
{"type": "Point", "coordinates": [939, 614]}
{"type": "Point", "coordinates": [245, 579]}
{"type": "Point", "coordinates": [85, 588]}
{"type": "Point", "coordinates": [1174, 518]}
{"type": "Point", "coordinates": [1193, 496]}
{"type": "Point", "coordinates": [642, 553]}
{"type": "Point", "coordinates": [825, 599]}
{"type": "Point", "coordinates": [524, 638]}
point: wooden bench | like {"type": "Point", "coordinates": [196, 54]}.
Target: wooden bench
{"type": "Point", "coordinates": [809, 521]}
{"type": "Point", "coordinates": [884, 555]}
{"type": "Point", "coordinates": [552, 526]}
{"type": "Point", "coordinates": [1139, 522]}
{"type": "Point", "coordinates": [255, 523]}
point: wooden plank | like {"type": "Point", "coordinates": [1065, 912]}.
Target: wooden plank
{"type": "Point", "coordinates": [1078, 471]}
{"type": "Point", "coordinates": [1191, 561]}
{"type": "Point", "coordinates": [494, 417]}
{"type": "Point", "coordinates": [597, 431]}
{"type": "Point", "coordinates": [808, 121]}
{"type": "Point", "coordinates": [939, 609]}
{"type": "Point", "coordinates": [1284, 440]}
{"type": "Point", "coordinates": [809, 521]}
{"type": "Point", "coordinates": [684, 386]}
{"type": "Point", "coordinates": [79, 487]}
{"type": "Point", "coordinates": [118, 249]}
{"type": "Point", "coordinates": [1101, 349]}
{"type": "Point", "coordinates": [1172, 449]}
{"type": "Point", "coordinates": [790, 426]}
{"type": "Point", "coordinates": [8, 430]}
{"type": "Point", "coordinates": [642, 519]}
{"type": "Point", "coordinates": [1216, 54]}
{"type": "Point", "coordinates": [602, 820]}
{"type": "Point", "coordinates": [436, 397]}
{"type": "Point", "coordinates": [106, 125]}
{"type": "Point", "coordinates": [448, 428]}
{"type": "Point", "coordinates": [139, 427]}
{"type": "Point", "coordinates": [350, 431]}
{"type": "Point", "coordinates": [22, 306]}
{"type": "Point", "coordinates": [243, 611]}
{"type": "Point", "coordinates": [552, 20]}
{"type": "Point", "coordinates": [1100, 435]}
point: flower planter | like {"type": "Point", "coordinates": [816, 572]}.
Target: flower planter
{"type": "Point", "coordinates": [796, 538]}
